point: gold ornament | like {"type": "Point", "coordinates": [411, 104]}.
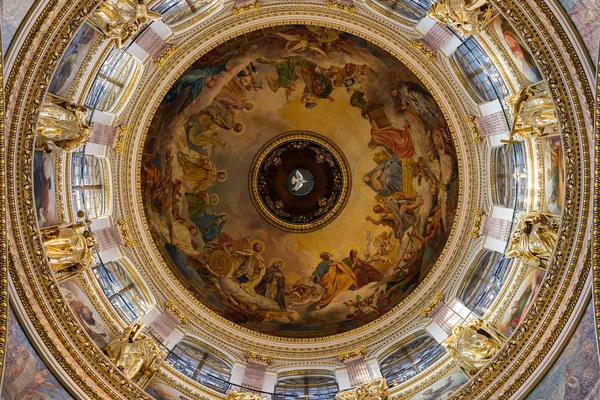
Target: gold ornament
{"type": "Point", "coordinates": [361, 351]}
{"type": "Point", "coordinates": [120, 20]}
{"type": "Point", "coordinates": [121, 134]}
{"type": "Point", "coordinates": [473, 345]}
{"type": "Point", "coordinates": [341, 5]}
{"type": "Point", "coordinates": [235, 395]}
{"type": "Point", "coordinates": [242, 8]}
{"type": "Point", "coordinates": [376, 390]}
{"type": "Point", "coordinates": [465, 16]}
{"type": "Point", "coordinates": [125, 233]}
{"type": "Point", "coordinates": [69, 249]}
{"type": "Point", "coordinates": [533, 238]}
{"type": "Point", "coordinates": [258, 357]}
{"type": "Point", "coordinates": [475, 129]}
{"type": "Point", "coordinates": [477, 227]}
{"type": "Point", "coordinates": [439, 298]}
{"type": "Point", "coordinates": [418, 44]}
{"type": "Point", "coordinates": [135, 354]}
{"type": "Point", "coordinates": [160, 60]}
{"type": "Point", "coordinates": [62, 125]}
{"type": "Point", "coordinates": [533, 111]}
{"type": "Point", "coordinates": [170, 305]}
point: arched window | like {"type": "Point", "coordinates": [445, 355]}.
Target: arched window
{"type": "Point", "coordinates": [511, 177]}
{"type": "Point", "coordinates": [174, 11]}
{"type": "Point", "coordinates": [307, 387]}
{"type": "Point", "coordinates": [410, 360]}
{"type": "Point", "coordinates": [87, 185]}
{"type": "Point", "coordinates": [480, 71]}
{"type": "Point", "coordinates": [200, 365]}
{"type": "Point", "coordinates": [121, 290]}
{"type": "Point", "coordinates": [413, 9]}
{"type": "Point", "coordinates": [485, 282]}
{"type": "Point", "coordinates": [112, 78]}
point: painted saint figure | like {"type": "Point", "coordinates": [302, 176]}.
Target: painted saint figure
{"type": "Point", "coordinates": [251, 265]}
{"type": "Point", "coordinates": [335, 277]}
{"type": "Point", "coordinates": [365, 273]}
{"type": "Point", "coordinates": [210, 225]}
{"type": "Point", "coordinates": [397, 214]}
{"type": "Point", "coordinates": [272, 285]}
{"type": "Point", "coordinates": [196, 79]}
{"type": "Point", "coordinates": [386, 178]}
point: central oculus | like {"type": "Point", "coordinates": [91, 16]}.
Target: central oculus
{"type": "Point", "coordinates": [300, 181]}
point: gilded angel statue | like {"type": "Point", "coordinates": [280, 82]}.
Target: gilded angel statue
{"type": "Point", "coordinates": [466, 16]}
{"type": "Point", "coordinates": [62, 125]}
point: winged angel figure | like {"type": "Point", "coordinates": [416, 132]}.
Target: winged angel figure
{"type": "Point", "coordinates": [296, 44]}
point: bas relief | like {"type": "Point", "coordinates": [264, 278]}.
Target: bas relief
{"type": "Point", "coordinates": [230, 102]}
{"type": "Point", "coordinates": [72, 59]}
{"type": "Point", "coordinates": [443, 388]}
{"type": "Point", "coordinates": [26, 376]}
{"type": "Point", "coordinates": [521, 302]}
{"type": "Point", "coordinates": [575, 374]}
{"type": "Point", "coordinates": [44, 189]}
{"type": "Point", "coordinates": [85, 312]}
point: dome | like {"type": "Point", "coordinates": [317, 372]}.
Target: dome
{"type": "Point", "coordinates": [248, 199]}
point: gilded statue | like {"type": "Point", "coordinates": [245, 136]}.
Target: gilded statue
{"type": "Point", "coordinates": [533, 238]}
{"type": "Point", "coordinates": [474, 344]}
{"type": "Point", "coordinates": [465, 16]}
{"type": "Point", "coordinates": [134, 353]}
{"type": "Point", "coordinates": [376, 390]}
{"type": "Point", "coordinates": [69, 248]}
{"type": "Point", "coordinates": [533, 111]}
{"type": "Point", "coordinates": [120, 20]}
{"type": "Point", "coordinates": [62, 125]}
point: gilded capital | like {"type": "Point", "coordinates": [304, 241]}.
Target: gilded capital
{"type": "Point", "coordinates": [125, 233]}
{"type": "Point", "coordinates": [439, 298]}
{"type": "Point", "coordinates": [464, 16]}
{"type": "Point", "coordinates": [376, 390]}
{"type": "Point", "coordinates": [418, 44]}
{"type": "Point", "coordinates": [361, 351]}
{"type": "Point", "coordinates": [121, 135]}
{"type": "Point", "coordinates": [170, 305]}
{"type": "Point", "coordinates": [341, 5]}
{"type": "Point", "coordinates": [247, 6]}
{"type": "Point", "coordinates": [258, 357]}
{"type": "Point", "coordinates": [479, 214]}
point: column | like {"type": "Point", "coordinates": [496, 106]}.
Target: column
{"type": "Point", "coordinates": [256, 367]}
{"type": "Point", "coordinates": [436, 37]}
{"type": "Point", "coordinates": [492, 124]}
{"type": "Point", "coordinates": [163, 327]}
{"type": "Point", "coordinates": [358, 371]}
{"type": "Point", "coordinates": [497, 231]}
{"type": "Point", "coordinates": [155, 46]}
{"type": "Point", "coordinates": [109, 238]}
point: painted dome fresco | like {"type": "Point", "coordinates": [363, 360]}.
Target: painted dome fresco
{"type": "Point", "coordinates": [299, 181]}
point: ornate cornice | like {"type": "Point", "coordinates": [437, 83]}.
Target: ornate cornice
{"type": "Point", "coordinates": [439, 298]}
{"type": "Point", "coordinates": [170, 305]}
{"type": "Point", "coordinates": [261, 358]}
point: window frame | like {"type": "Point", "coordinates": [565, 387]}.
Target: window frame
{"type": "Point", "coordinates": [88, 186]}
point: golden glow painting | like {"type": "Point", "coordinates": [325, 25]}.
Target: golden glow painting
{"type": "Point", "coordinates": [225, 107]}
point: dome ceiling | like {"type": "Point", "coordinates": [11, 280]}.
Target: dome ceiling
{"type": "Point", "coordinates": [402, 181]}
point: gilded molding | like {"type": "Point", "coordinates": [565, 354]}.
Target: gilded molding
{"type": "Point", "coordinates": [3, 241]}
{"type": "Point", "coordinates": [170, 305]}
{"type": "Point", "coordinates": [479, 214]}
{"type": "Point", "coordinates": [345, 356]}
{"type": "Point", "coordinates": [261, 358]}
{"type": "Point", "coordinates": [160, 60]}
{"type": "Point", "coordinates": [341, 5]}
{"type": "Point", "coordinates": [131, 83]}
{"type": "Point", "coordinates": [418, 44]}
{"type": "Point", "coordinates": [474, 129]}
{"type": "Point", "coordinates": [305, 372]}
{"type": "Point", "coordinates": [122, 134]}
{"type": "Point", "coordinates": [129, 242]}
{"type": "Point", "coordinates": [237, 10]}
{"type": "Point", "coordinates": [59, 158]}
{"type": "Point", "coordinates": [439, 298]}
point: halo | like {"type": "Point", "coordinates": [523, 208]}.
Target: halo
{"type": "Point", "coordinates": [257, 241]}
{"type": "Point", "coordinates": [250, 110]}
{"type": "Point", "coordinates": [353, 246]}
{"type": "Point", "coordinates": [274, 260]}
{"type": "Point", "coordinates": [240, 133]}
{"type": "Point", "coordinates": [215, 197]}
{"type": "Point", "coordinates": [222, 179]}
